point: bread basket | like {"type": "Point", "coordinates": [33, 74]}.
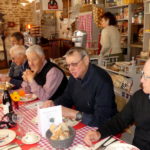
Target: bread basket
{"type": "Point", "coordinates": [61, 143]}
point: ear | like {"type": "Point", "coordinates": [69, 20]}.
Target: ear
{"type": "Point", "coordinates": [86, 60]}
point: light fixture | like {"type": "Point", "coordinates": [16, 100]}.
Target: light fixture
{"type": "Point", "coordinates": [23, 2]}
{"type": "Point", "coordinates": [30, 1]}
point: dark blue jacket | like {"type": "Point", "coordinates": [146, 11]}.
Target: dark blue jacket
{"type": "Point", "coordinates": [93, 95]}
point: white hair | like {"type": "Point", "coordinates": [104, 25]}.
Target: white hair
{"type": "Point", "coordinates": [17, 50]}
{"type": "Point", "coordinates": [35, 49]}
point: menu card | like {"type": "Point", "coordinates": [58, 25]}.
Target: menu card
{"type": "Point", "coordinates": [48, 116]}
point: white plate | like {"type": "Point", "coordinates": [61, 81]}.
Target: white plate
{"type": "Point", "coordinates": [28, 97]}
{"type": "Point", "coordinates": [121, 146]}
{"type": "Point", "coordinates": [30, 138]}
{"type": "Point", "coordinates": [6, 136]}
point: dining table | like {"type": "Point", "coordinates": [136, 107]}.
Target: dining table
{"type": "Point", "coordinates": [28, 111]}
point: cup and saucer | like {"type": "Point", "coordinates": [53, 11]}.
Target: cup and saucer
{"type": "Point", "coordinates": [30, 138]}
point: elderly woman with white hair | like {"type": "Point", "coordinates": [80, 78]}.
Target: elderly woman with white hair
{"type": "Point", "coordinates": [44, 79]}
{"type": "Point", "coordinates": [18, 57]}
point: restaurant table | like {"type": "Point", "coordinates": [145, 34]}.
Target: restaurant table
{"type": "Point", "coordinates": [29, 112]}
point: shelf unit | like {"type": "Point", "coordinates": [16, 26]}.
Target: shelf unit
{"type": "Point", "coordinates": [146, 37]}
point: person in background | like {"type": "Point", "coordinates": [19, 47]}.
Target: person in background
{"type": "Point", "coordinates": [90, 90]}
{"type": "Point", "coordinates": [44, 78]}
{"type": "Point", "coordinates": [110, 37]}
{"type": "Point", "coordinates": [137, 111]}
{"type": "Point", "coordinates": [18, 57]}
{"type": "Point", "coordinates": [17, 38]}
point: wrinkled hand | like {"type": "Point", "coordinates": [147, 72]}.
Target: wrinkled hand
{"type": "Point", "coordinates": [92, 136]}
{"type": "Point", "coordinates": [48, 103]}
{"type": "Point", "coordinates": [5, 79]}
{"type": "Point", "coordinates": [69, 113]}
{"type": "Point", "coordinates": [28, 75]}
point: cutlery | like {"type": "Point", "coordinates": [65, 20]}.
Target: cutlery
{"type": "Point", "coordinates": [7, 146]}
{"type": "Point", "coordinates": [17, 145]}
{"type": "Point", "coordinates": [103, 145]}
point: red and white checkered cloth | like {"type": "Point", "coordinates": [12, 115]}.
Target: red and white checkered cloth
{"type": "Point", "coordinates": [27, 123]}
{"type": "Point", "coordinates": [85, 23]}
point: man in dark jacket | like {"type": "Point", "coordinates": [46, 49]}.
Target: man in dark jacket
{"type": "Point", "coordinates": [90, 90]}
{"type": "Point", "coordinates": [137, 111]}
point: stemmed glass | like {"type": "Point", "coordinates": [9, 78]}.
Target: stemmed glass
{"type": "Point", "coordinates": [18, 119]}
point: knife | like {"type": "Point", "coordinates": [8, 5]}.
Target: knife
{"type": "Point", "coordinates": [8, 146]}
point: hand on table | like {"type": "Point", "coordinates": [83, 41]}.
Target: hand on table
{"type": "Point", "coordinates": [92, 136]}
{"type": "Point", "coordinates": [28, 75]}
{"type": "Point", "coordinates": [69, 113]}
{"type": "Point", "coordinates": [5, 79]}
{"type": "Point", "coordinates": [48, 103]}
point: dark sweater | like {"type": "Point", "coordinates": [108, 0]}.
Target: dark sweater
{"type": "Point", "coordinates": [16, 72]}
{"type": "Point", "coordinates": [40, 78]}
{"type": "Point", "coordinates": [93, 95]}
{"type": "Point", "coordinates": [136, 111]}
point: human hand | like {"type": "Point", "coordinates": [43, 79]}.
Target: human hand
{"type": "Point", "coordinates": [5, 79]}
{"type": "Point", "coordinates": [92, 136]}
{"type": "Point", "coordinates": [48, 103]}
{"type": "Point", "coordinates": [28, 75]}
{"type": "Point", "coordinates": [69, 113]}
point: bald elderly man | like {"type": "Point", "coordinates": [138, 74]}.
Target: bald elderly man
{"type": "Point", "coordinates": [137, 112]}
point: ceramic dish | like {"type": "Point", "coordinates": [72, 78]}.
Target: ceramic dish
{"type": "Point", "coordinates": [6, 136]}
{"type": "Point", "coordinates": [121, 146]}
{"type": "Point", "coordinates": [28, 97]}
{"type": "Point", "coordinates": [30, 138]}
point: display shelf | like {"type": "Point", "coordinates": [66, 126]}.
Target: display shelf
{"type": "Point", "coordinates": [136, 45]}
{"type": "Point", "coordinates": [114, 7]}
{"type": "Point", "coordinates": [122, 19]}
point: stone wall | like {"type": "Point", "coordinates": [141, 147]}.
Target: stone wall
{"type": "Point", "coordinates": [15, 12]}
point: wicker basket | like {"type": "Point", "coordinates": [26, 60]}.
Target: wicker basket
{"type": "Point", "coordinates": [61, 143]}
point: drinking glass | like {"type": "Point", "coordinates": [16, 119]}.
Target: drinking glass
{"type": "Point", "coordinates": [18, 119]}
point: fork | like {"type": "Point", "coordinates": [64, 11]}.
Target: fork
{"type": "Point", "coordinates": [103, 146]}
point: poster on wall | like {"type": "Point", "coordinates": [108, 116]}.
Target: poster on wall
{"type": "Point", "coordinates": [52, 5]}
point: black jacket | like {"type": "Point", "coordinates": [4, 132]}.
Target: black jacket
{"type": "Point", "coordinates": [136, 111]}
{"type": "Point", "coordinates": [93, 95]}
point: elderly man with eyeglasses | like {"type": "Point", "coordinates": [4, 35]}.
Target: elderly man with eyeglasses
{"type": "Point", "coordinates": [90, 90]}
{"type": "Point", "coordinates": [137, 111]}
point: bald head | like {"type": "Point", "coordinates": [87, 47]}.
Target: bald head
{"type": "Point", "coordinates": [145, 80]}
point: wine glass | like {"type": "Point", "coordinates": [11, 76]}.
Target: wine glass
{"type": "Point", "coordinates": [18, 119]}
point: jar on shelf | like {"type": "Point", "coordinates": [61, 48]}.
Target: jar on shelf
{"type": "Point", "coordinates": [140, 18]}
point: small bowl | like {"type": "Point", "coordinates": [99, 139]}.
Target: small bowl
{"type": "Point", "coordinates": [61, 143]}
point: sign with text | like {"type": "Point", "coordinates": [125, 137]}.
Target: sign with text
{"type": "Point", "coordinates": [48, 116]}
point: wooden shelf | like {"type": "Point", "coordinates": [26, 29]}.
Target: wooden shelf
{"type": "Point", "coordinates": [122, 19]}
{"type": "Point", "coordinates": [113, 7]}
{"type": "Point", "coordinates": [136, 45]}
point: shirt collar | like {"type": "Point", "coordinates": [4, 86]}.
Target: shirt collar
{"type": "Point", "coordinates": [87, 76]}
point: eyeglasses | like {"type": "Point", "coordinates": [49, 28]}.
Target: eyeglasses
{"type": "Point", "coordinates": [144, 76]}
{"type": "Point", "coordinates": [74, 64]}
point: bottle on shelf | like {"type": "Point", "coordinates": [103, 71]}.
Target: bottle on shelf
{"type": "Point", "coordinates": [7, 102]}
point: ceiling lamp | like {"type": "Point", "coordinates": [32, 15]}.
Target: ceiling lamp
{"type": "Point", "coordinates": [23, 2]}
{"type": "Point", "coordinates": [30, 1]}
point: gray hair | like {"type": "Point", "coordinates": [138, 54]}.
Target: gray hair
{"type": "Point", "coordinates": [17, 50]}
{"type": "Point", "coordinates": [35, 49]}
{"type": "Point", "coordinates": [80, 50]}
